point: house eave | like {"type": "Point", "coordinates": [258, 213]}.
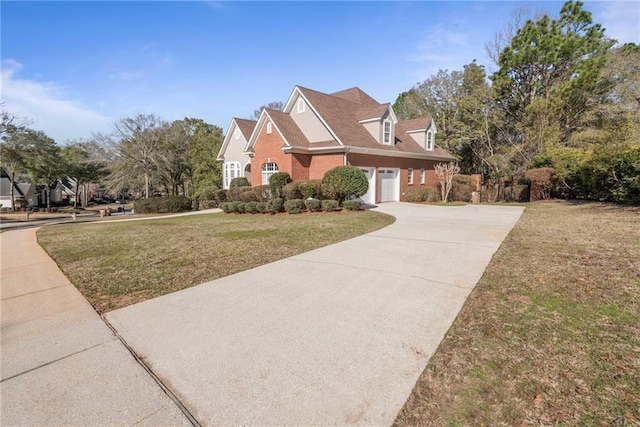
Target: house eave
{"type": "Point", "coordinates": [402, 154]}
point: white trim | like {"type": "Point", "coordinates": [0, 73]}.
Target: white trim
{"type": "Point", "coordinates": [267, 172]}
{"type": "Point", "coordinates": [370, 151]}
{"type": "Point", "coordinates": [410, 176]}
{"type": "Point", "coordinates": [386, 122]}
{"type": "Point", "coordinates": [233, 168]}
{"type": "Point", "coordinates": [237, 133]}
{"type": "Point", "coordinates": [227, 139]}
{"type": "Point", "coordinates": [300, 105]}
{"type": "Point", "coordinates": [269, 128]}
{"type": "Point", "coordinates": [429, 144]}
{"type": "Point", "coordinates": [256, 131]}
{"type": "Point", "coordinates": [422, 176]}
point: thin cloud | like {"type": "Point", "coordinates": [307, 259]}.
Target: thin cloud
{"type": "Point", "coordinates": [49, 105]}
{"type": "Point", "coordinates": [621, 19]}
{"type": "Point", "coordinates": [127, 75]}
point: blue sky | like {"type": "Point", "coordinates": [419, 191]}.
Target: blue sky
{"type": "Point", "coordinates": [76, 67]}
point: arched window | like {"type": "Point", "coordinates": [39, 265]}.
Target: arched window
{"type": "Point", "coordinates": [231, 170]}
{"type": "Point", "coordinates": [268, 169]}
{"type": "Point", "coordinates": [301, 105]}
{"type": "Point", "coordinates": [269, 127]}
{"type": "Point", "coordinates": [237, 133]}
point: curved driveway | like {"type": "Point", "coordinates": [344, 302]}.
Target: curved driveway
{"type": "Point", "coordinates": [335, 336]}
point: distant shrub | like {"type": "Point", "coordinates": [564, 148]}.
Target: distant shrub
{"type": "Point", "coordinates": [343, 182]}
{"type": "Point", "coordinates": [542, 182]}
{"type": "Point", "coordinates": [276, 182]}
{"type": "Point", "coordinates": [169, 204]}
{"type": "Point", "coordinates": [352, 205]}
{"type": "Point", "coordinates": [330, 205]}
{"type": "Point", "coordinates": [461, 188]}
{"type": "Point", "coordinates": [220, 196]}
{"type": "Point", "coordinates": [275, 205]}
{"type": "Point", "coordinates": [208, 204]}
{"type": "Point", "coordinates": [294, 206]}
{"type": "Point", "coordinates": [516, 193]}
{"type": "Point", "coordinates": [292, 191]}
{"type": "Point", "coordinates": [239, 181]}
{"type": "Point", "coordinates": [262, 193]}
{"type": "Point", "coordinates": [261, 207]}
{"type": "Point", "coordinates": [313, 205]}
{"type": "Point", "coordinates": [311, 188]}
{"type": "Point", "coordinates": [251, 207]}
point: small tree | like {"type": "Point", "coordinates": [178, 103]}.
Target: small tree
{"type": "Point", "coordinates": [445, 173]}
{"type": "Point", "coordinates": [343, 182]}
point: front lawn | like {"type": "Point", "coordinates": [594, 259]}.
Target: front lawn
{"type": "Point", "coordinates": [551, 333]}
{"type": "Point", "coordinates": [118, 264]}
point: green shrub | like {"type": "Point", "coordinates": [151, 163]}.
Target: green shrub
{"type": "Point", "coordinates": [239, 181]}
{"type": "Point", "coordinates": [235, 194]}
{"type": "Point", "coordinates": [313, 205]}
{"type": "Point", "coordinates": [516, 193]}
{"type": "Point", "coordinates": [220, 196]}
{"type": "Point", "coordinates": [248, 196]}
{"type": "Point", "coordinates": [416, 194]}
{"type": "Point", "coordinates": [292, 191]}
{"type": "Point", "coordinates": [225, 207]}
{"type": "Point", "coordinates": [208, 204]}
{"type": "Point", "coordinates": [294, 206]}
{"type": "Point", "coordinates": [276, 182]}
{"type": "Point", "coordinates": [275, 205]}
{"type": "Point", "coordinates": [310, 189]}
{"type": "Point", "coordinates": [169, 204]}
{"type": "Point", "coordinates": [261, 207]}
{"type": "Point", "coordinates": [250, 207]}
{"type": "Point", "coordinates": [343, 182]}
{"type": "Point", "coordinates": [461, 188]}
{"type": "Point", "coordinates": [330, 205]}
{"type": "Point", "coordinates": [262, 193]}
{"type": "Point", "coordinates": [352, 205]}
{"type": "Point", "coordinates": [241, 206]}
{"type": "Point", "coordinates": [234, 207]}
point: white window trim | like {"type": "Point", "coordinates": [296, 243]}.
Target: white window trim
{"type": "Point", "coordinates": [231, 170]}
{"type": "Point", "coordinates": [237, 133]}
{"type": "Point", "coordinates": [422, 176]}
{"type": "Point", "coordinates": [267, 170]}
{"type": "Point", "coordinates": [410, 176]}
{"type": "Point", "coordinates": [429, 140]}
{"type": "Point", "coordinates": [384, 132]}
{"type": "Point", "coordinates": [300, 107]}
{"type": "Point", "coordinates": [269, 127]}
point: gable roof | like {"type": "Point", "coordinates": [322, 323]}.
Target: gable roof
{"type": "Point", "coordinates": [421, 123]}
{"type": "Point", "coordinates": [246, 128]}
{"type": "Point", "coordinates": [357, 96]}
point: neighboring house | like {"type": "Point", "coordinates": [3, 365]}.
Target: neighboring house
{"type": "Point", "coordinates": [316, 132]}
{"type": "Point", "coordinates": [68, 189]}
{"type": "Point", "coordinates": [21, 191]}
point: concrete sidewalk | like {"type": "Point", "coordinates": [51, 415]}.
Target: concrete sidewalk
{"type": "Point", "coordinates": [334, 336]}
{"type": "Point", "coordinates": [60, 363]}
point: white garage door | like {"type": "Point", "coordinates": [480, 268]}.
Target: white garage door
{"type": "Point", "coordinates": [370, 197]}
{"type": "Point", "coordinates": [388, 181]}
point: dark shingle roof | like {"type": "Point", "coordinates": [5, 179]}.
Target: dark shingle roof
{"type": "Point", "coordinates": [245, 126]}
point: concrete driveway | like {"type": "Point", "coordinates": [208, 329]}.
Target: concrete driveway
{"type": "Point", "coordinates": [334, 336]}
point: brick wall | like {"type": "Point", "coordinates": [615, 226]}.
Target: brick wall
{"type": "Point", "coordinates": [268, 148]}
{"type": "Point", "coordinates": [322, 163]}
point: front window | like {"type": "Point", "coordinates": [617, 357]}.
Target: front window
{"type": "Point", "coordinates": [231, 170]}
{"type": "Point", "coordinates": [410, 176]}
{"type": "Point", "coordinates": [387, 132]}
{"type": "Point", "coordinates": [268, 169]}
{"type": "Point", "coordinates": [429, 140]}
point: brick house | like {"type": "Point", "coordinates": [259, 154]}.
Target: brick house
{"type": "Point", "coordinates": [316, 132]}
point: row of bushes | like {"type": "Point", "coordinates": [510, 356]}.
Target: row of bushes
{"type": "Point", "coordinates": [169, 204]}
{"type": "Point", "coordinates": [462, 188]}
{"type": "Point", "coordinates": [292, 206]}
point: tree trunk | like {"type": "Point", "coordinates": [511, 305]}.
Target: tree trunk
{"type": "Point", "coordinates": [146, 185]}
{"type": "Point", "coordinates": [47, 194]}
{"type": "Point", "coordinates": [75, 199]}
{"type": "Point", "coordinates": [13, 197]}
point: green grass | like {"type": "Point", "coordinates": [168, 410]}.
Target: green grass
{"type": "Point", "coordinates": [551, 333]}
{"type": "Point", "coordinates": [118, 264]}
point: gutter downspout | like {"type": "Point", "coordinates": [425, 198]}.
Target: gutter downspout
{"type": "Point", "coordinates": [346, 163]}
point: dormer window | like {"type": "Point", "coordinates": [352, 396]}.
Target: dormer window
{"type": "Point", "coordinates": [269, 127]}
{"type": "Point", "coordinates": [386, 138]}
{"type": "Point", "coordinates": [430, 141]}
{"type": "Point", "coordinates": [301, 106]}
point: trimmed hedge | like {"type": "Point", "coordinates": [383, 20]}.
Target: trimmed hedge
{"type": "Point", "coordinates": [262, 193]}
{"type": "Point", "coordinates": [169, 204]}
{"type": "Point", "coordinates": [343, 182]}
{"type": "Point", "coordinates": [292, 191]}
{"type": "Point", "coordinates": [352, 205]}
{"type": "Point", "coordinates": [313, 205]}
{"type": "Point", "coordinates": [330, 205]}
{"type": "Point", "coordinates": [294, 206]}
{"type": "Point", "coordinates": [430, 193]}
{"type": "Point", "coordinates": [261, 207]}
{"type": "Point", "coordinates": [239, 181]}
{"type": "Point", "coordinates": [275, 205]}
{"type": "Point", "coordinates": [251, 207]}
{"type": "Point", "coordinates": [461, 188]}
{"type": "Point", "coordinates": [276, 182]}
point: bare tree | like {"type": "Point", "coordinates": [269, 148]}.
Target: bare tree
{"type": "Point", "coordinates": [502, 37]}
{"type": "Point", "coordinates": [445, 173]}
{"type": "Point", "coordinates": [275, 105]}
